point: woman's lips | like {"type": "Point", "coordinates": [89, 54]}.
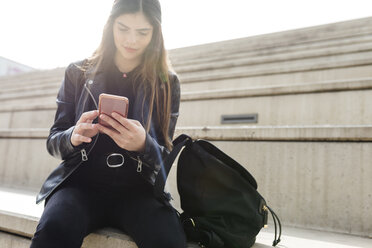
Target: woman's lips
{"type": "Point", "coordinates": [130, 50]}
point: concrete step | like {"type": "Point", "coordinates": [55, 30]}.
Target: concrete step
{"type": "Point", "coordinates": [18, 146]}
{"type": "Point", "coordinates": [26, 82]}
{"type": "Point", "coordinates": [300, 170]}
{"type": "Point", "coordinates": [353, 61]}
{"type": "Point", "coordinates": [248, 59]}
{"type": "Point", "coordinates": [24, 95]}
{"type": "Point", "coordinates": [343, 102]}
{"type": "Point", "coordinates": [355, 41]}
{"type": "Point", "coordinates": [54, 74]}
{"type": "Point", "coordinates": [27, 119]}
{"type": "Point", "coordinates": [29, 116]}
{"type": "Point", "coordinates": [334, 103]}
{"type": "Point", "coordinates": [333, 31]}
{"type": "Point", "coordinates": [290, 78]}
{"type": "Point", "coordinates": [304, 65]}
{"type": "Point", "coordinates": [16, 229]}
{"type": "Point", "coordinates": [295, 45]}
{"type": "Point", "coordinates": [30, 87]}
{"type": "Point", "coordinates": [319, 133]}
{"type": "Point", "coordinates": [29, 107]}
{"type": "Point", "coordinates": [13, 102]}
{"type": "Point", "coordinates": [345, 44]}
{"type": "Point", "coordinates": [25, 162]}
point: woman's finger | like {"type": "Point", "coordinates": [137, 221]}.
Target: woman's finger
{"type": "Point", "coordinates": [89, 121]}
{"type": "Point", "coordinates": [83, 138]}
{"type": "Point", "coordinates": [115, 124]}
{"type": "Point", "coordinates": [77, 139]}
{"type": "Point", "coordinates": [90, 115]}
{"type": "Point", "coordinates": [110, 132]}
{"type": "Point", "coordinates": [80, 128]}
{"type": "Point", "coordinates": [137, 123]}
{"type": "Point", "coordinates": [127, 123]}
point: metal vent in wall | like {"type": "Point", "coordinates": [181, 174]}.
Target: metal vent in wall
{"type": "Point", "coordinates": [247, 118]}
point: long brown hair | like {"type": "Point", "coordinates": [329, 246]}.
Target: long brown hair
{"type": "Point", "coordinates": [153, 69]}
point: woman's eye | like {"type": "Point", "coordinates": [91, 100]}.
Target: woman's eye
{"type": "Point", "coordinates": [123, 30]}
{"type": "Point", "coordinates": [142, 33]}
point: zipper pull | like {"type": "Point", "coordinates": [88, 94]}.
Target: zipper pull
{"type": "Point", "coordinates": [84, 156]}
{"type": "Point", "coordinates": [266, 212]}
{"type": "Point", "coordinates": [139, 167]}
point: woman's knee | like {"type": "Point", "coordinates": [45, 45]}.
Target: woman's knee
{"type": "Point", "coordinates": [163, 240]}
{"type": "Point", "coordinates": [171, 240]}
{"type": "Point", "coordinates": [62, 223]}
{"type": "Point", "coordinates": [165, 232]}
{"type": "Point", "coordinates": [58, 230]}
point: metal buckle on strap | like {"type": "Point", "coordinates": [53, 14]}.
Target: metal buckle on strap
{"type": "Point", "coordinates": [115, 155]}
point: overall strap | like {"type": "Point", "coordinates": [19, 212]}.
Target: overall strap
{"type": "Point", "coordinates": [161, 178]}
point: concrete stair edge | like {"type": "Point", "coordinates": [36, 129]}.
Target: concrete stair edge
{"type": "Point", "coordinates": [25, 226]}
{"type": "Point", "coordinates": [289, 37]}
{"type": "Point", "coordinates": [320, 133]}
{"type": "Point", "coordinates": [222, 74]}
{"type": "Point", "coordinates": [316, 64]}
{"type": "Point", "coordinates": [267, 90]}
{"type": "Point", "coordinates": [261, 56]}
{"type": "Point", "coordinates": [321, 87]}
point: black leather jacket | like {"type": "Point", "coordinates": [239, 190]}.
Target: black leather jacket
{"type": "Point", "coordinates": [79, 94]}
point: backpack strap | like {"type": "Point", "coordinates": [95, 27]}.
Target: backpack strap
{"type": "Point", "coordinates": [276, 240]}
{"type": "Point", "coordinates": [181, 141]}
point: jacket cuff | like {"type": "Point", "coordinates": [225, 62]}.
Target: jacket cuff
{"type": "Point", "coordinates": [152, 153]}
{"type": "Point", "coordinates": [68, 134]}
{"type": "Point", "coordinates": [70, 148]}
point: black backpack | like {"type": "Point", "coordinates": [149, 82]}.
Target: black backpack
{"type": "Point", "coordinates": [222, 208]}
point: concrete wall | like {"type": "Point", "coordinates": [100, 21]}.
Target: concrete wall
{"type": "Point", "coordinates": [347, 107]}
{"type": "Point", "coordinates": [25, 162]}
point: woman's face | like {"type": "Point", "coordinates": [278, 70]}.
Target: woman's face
{"type": "Point", "coordinates": [132, 34]}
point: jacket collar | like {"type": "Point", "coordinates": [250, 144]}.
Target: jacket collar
{"type": "Point", "coordinates": [96, 83]}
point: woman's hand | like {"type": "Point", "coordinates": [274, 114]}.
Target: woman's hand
{"type": "Point", "coordinates": [84, 129]}
{"type": "Point", "coordinates": [127, 133]}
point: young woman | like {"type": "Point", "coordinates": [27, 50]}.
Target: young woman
{"type": "Point", "coordinates": [107, 175]}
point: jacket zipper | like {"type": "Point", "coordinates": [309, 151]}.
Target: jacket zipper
{"type": "Point", "coordinates": [139, 165]}
{"type": "Point", "coordinates": [84, 156]}
{"type": "Point", "coordinates": [83, 152]}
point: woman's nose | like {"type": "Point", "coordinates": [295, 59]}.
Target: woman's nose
{"type": "Point", "coordinates": [132, 39]}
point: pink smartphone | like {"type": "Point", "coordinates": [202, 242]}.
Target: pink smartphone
{"type": "Point", "coordinates": [112, 103]}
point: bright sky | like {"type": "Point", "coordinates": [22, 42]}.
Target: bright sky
{"type": "Point", "coordinates": [47, 34]}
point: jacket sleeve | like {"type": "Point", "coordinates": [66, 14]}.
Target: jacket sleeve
{"type": "Point", "coordinates": [155, 149]}
{"type": "Point", "coordinates": [59, 139]}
